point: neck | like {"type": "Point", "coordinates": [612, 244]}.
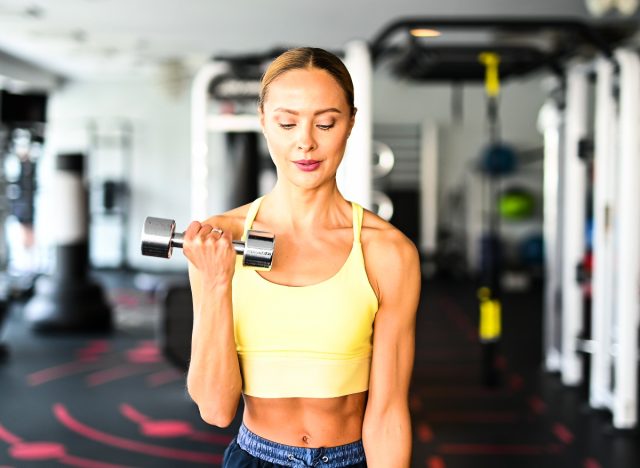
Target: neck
{"type": "Point", "coordinates": [303, 209]}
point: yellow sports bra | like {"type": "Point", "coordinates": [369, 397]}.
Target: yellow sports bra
{"type": "Point", "coordinates": [305, 341]}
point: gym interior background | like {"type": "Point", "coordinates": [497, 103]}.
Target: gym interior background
{"type": "Point", "coordinates": [500, 136]}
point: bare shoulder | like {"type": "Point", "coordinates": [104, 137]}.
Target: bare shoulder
{"type": "Point", "coordinates": [232, 220]}
{"type": "Point", "coordinates": [390, 256]}
{"type": "Point", "coordinates": [383, 240]}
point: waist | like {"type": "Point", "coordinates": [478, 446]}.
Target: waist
{"type": "Point", "coordinates": [307, 422]}
{"type": "Point", "coordinates": [289, 455]}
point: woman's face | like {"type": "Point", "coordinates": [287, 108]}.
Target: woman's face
{"type": "Point", "coordinates": [306, 121]}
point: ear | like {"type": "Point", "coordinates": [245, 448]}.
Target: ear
{"type": "Point", "coordinates": [352, 121]}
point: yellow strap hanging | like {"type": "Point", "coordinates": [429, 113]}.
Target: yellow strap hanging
{"type": "Point", "coordinates": [490, 316]}
{"type": "Point", "coordinates": [492, 78]}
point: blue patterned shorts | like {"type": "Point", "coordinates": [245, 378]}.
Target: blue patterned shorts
{"type": "Point", "coordinates": [249, 450]}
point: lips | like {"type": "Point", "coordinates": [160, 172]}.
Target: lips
{"type": "Point", "coordinates": [307, 165]}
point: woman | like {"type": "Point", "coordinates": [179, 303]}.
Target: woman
{"type": "Point", "coordinates": [321, 348]}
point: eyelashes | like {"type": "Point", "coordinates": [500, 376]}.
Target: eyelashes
{"type": "Point", "coordinates": [321, 127]}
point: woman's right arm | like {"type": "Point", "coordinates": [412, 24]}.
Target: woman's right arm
{"type": "Point", "coordinates": [213, 381]}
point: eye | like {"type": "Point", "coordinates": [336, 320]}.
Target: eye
{"type": "Point", "coordinates": [325, 126]}
{"type": "Point", "coordinates": [286, 126]}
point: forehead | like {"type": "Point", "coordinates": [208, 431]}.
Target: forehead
{"type": "Point", "coordinates": [303, 88]}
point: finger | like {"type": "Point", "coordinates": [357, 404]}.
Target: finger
{"type": "Point", "coordinates": [192, 230]}
{"type": "Point", "coordinates": [205, 231]}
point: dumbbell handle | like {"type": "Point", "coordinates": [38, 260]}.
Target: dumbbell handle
{"type": "Point", "coordinates": [178, 241]}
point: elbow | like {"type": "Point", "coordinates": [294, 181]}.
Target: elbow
{"type": "Point", "coordinates": [212, 413]}
{"type": "Point", "coordinates": [215, 417]}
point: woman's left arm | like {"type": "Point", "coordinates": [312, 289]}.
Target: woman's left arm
{"type": "Point", "coordinates": [386, 431]}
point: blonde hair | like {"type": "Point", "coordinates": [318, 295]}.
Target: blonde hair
{"type": "Point", "coordinates": [307, 58]}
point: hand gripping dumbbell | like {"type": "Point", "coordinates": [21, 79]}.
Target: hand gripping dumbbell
{"type": "Point", "coordinates": [159, 237]}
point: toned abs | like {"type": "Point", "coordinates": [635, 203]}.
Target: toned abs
{"type": "Point", "coordinates": [307, 422]}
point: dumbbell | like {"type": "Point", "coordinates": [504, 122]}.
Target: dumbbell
{"type": "Point", "coordinates": [159, 237]}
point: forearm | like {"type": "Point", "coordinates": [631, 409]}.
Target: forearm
{"type": "Point", "coordinates": [387, 439]}
{"type": "Point", "coordinates": [214, 381]}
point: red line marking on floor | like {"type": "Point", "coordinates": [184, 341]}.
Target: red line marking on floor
{"type": "Point", "coordinates": [8, 437]}
{"type": "Point", "coordinates": [562, 433]}
{"type": "Point", "coordinates": [37, 451]}
{"type": "Point", "coordinates": [492, 449]}
{"type": "Point", "coordinates": [163, 377]}
{"type": "Point", "coordinates": [537, 405]}
{"type": "Point", "coordinates": [473, 416]}
{"type": "Point", "coordinates": [166, 429]}
{"type": "Point", "coordinates": [57, 372]}
{"type": "Point", "coordinates": [424, 432]}
{"type": "Point", "coordinates": [591, 463]}
{"type": "Point", "coordinates": [132, 414]}
{"type": "Point", "coordinates": [86, 463]}
{"type": "Point", "coordinates": [114, 373]}
{"type": "Point", "coordinates": [144, 353]}
{"type": "Point", "coordinates": [170, 428]}
{"type": "Point", "coordinates": [76, 426]}
{"type": "Point", "coordinates": [95, 347]}
{"type": "Point", "coordinates": [435, 462]}
{"type": "Point", "coordinates": [98, 346]}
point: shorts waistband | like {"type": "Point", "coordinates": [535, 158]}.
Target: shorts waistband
{"type": "Point", "coordinates": [291, 456]}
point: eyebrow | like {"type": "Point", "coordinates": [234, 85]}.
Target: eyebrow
{"type": "Point", "coordinates": [322, 111]}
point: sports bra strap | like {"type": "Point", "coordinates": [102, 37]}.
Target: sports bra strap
{"type": "Point", "coordinates": [357, 221]}
{"type": "Point", "coordinates": [251, 216]}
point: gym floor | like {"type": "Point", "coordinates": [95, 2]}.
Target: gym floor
{"type": "Point", "coordinates": [113, 401]}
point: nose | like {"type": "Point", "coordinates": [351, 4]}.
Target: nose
{"type": "Point", "coordinates": [306, 142]}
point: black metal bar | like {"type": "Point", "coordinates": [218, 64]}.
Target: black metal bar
{"type": "Point", "coordinates": [511, 24]}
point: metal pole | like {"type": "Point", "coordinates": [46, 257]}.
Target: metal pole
{"type": "Point", "coordinates": [355, 177]}
{"type": "Point", "coordinates": [573, 242]}
{"type": "Point", "coordinates": [627, 248]}
{"type": "Point", "coordinates": [428, 187]}
{"type": "Point", "coordinates": [603, 236]}
{"type": "Point", "coordinates": [550, 124]}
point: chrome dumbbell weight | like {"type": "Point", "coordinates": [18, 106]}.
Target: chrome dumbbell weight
{"type": "Point", "coordinates": [159, 237]}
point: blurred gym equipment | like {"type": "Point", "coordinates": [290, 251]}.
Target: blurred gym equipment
{"type": "Point", "coordinates": [69, 300]}
{"type": "Point", "coordinates": [571, 54]}
{"type": "Point", "coordinates": [108, 172]}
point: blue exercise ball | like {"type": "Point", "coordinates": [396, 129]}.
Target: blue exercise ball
{"type": "Point", "coordinates": [532, 250]}
{"type": "Point", "coordinates": [498, 159]}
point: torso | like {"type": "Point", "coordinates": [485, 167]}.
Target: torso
{"type": "Point", "coordinates": [307, 422]}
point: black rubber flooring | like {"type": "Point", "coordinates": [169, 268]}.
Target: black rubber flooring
{"type": "Point", "coordinates": [113, 401]}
